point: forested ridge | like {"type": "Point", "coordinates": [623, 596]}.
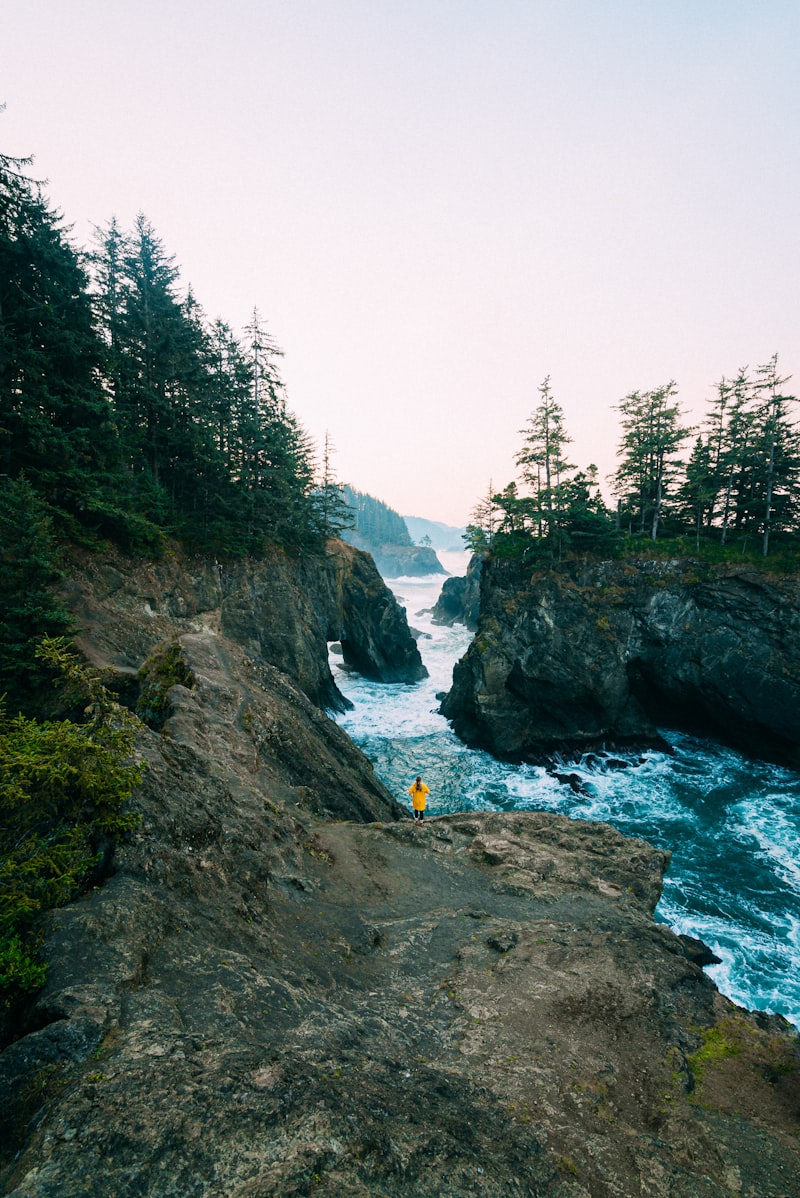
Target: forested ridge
{"type": "Point", "coordinates": [736, 491]}
{"type": "Point", "coordinates": [373, 520]}
{"type": "Point", "coordinates": [126, 415]}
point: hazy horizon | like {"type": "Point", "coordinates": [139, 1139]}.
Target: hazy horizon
{"type": "Point", "coordinates": [434, 206]}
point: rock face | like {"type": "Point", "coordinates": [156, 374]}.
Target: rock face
{"type": "Point", "coordinates": [375, 636]}
{"type": "Point", "coordinates": [262, 1003]}
{"type": "Point", "coordinates": [569, 659]}
{"type": "Point", "coordinates": [285, 987]}
{"type": "Point", "coordinates": [459, 601]}
{"type": "Point", "coordinates": [280, 611]}
{"type": "Point", "coordinates": [397, 561]}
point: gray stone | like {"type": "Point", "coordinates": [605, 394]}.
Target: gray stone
{"type": "Point", "coordinates": [590, 655]}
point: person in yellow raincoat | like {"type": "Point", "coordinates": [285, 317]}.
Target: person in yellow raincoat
{"type": "Point", "coordinates": [419, 796]}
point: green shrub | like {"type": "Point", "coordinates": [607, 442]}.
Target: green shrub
{"type": "Point", "coordinates": [20, 971]}
{"type": "Point", "coordinates": [63, 787]}
{"type": "Point", "coordinates": [165, 669]}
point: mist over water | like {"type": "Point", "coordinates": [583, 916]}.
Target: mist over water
{"type": "Point", "coordinates": [733, 824]}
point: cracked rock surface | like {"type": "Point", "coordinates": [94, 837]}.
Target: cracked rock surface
{"type": "Point", "coordinates": [287, 988]}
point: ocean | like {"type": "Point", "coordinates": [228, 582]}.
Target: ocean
{"type": "Point", "coordinates": [733, 824]}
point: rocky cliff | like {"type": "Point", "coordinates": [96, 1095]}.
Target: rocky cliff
{"type": "Point", "coordinates": [459, 601]}
{"type": "Point", "coordinates": [571, 658]}
{"type": "Point", "coordinates": [399, 561]}
{"type": "Point", "coordinates": [280, 610]}
{"type": "Point", "coordinates": [261, 1003]}
{"type": "Point", "coordinates": [286, 988]}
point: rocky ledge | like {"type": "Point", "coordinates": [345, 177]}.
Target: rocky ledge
{"type": "Point", "coordinates": [282, 611]}
{"type": "Point", "coordinates": [571, 658]}
{"type": "Point", "coordinates": [263, 1003]}
{"type": "Point", "coordinates": [285, 987]}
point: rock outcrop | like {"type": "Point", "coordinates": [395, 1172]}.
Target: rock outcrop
{"type": "Point", "coordinates": [375, 636]}
{"type": "Point", "coordinates": [286, 988]}
{"type": "Point", "coordinates": [262, 1003]}
{"type": "Point", "coordinates": [568, 659]}
{"type": "Point", "coordinates": [459, 600]}
{"type": "Point", "coordinates": [399, 561]}
{"type": "Point", "coordinates": [281, 611]}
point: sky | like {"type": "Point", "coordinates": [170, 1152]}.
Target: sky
{"type": "Point", "coordinates": [435, 204]}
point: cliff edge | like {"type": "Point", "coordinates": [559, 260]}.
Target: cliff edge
{"type": "Point", "coordinates": [570, 658]}
{"type": "Point", "coordinates": [280, 610]}
{"type": "Point", "coordinates": [284, 987]}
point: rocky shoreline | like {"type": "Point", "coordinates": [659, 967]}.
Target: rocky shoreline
{"type": "Point", "coordinates": [286, 988]}
{"type": "Point", "coordinates": [585, 655]}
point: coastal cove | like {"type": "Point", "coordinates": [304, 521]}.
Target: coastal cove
{"type": "Point", "coordinates": [731, 822]}
{"type": "Point", "coordinates": [282, 986]}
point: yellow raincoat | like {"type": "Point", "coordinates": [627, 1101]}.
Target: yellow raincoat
{"type": "Point", "coordinates": [419, 794]}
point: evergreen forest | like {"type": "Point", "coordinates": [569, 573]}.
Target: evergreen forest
{"type": "Point", "coordinates": [130, 413]}
{"type": "Point", "coordinates": [127, 416]}
{"type": "Point", "coordinates": [373, 521]}
{"type": "Point", "coordinates": [730, 487]}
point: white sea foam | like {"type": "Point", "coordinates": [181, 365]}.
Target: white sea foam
{"type": "Point", "coordinates": [732, 824]}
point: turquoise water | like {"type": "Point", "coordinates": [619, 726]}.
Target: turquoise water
{"type": "Point", "coordinates": [733, 824]}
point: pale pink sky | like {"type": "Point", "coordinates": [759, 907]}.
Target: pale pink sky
{"type": "Point", "coordinates": [436, 203]}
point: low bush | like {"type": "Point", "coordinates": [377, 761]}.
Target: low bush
{"type": "Point", "coordinates": [64, 788]}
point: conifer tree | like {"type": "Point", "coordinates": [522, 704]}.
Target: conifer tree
{"type": "Point", "coordinates": [651, 437]}
{"type": "Point", "coordinates": [753, 455]}
{"type": "Point", "coordinates": [485, 520]}
{"type": "Point", "coordinates": [734, 440]}
{"type": "Point", "coordinates": [55, 423]}
{"type": "Point", "coordinates": [587, 523]}
{"type": "Point", "coordinates": [544, 464]}
{"type": "Point", "coordinates": [333, 511]}
{"type": "Point", "coordinates": [779, 448]}
{"type": "Point", "coordinates": [699, 489]}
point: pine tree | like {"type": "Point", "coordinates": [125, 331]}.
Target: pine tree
{"type": "Point", "coordinates": [588, 526]}
{"type": "Point", "coordinates": [754, 455]}
{"type": "Point", "coordinates": [700, 486]}
{"type": "Point", "coordinates": [544, 465]}
{"type": "Point", "coordinates": [277, 453]}
{"type": "Point", "coordinates": [779, 448]}
{"type": "Point", "coordinates": [734, 445]}
{"type": "Point", "coordinates": [29, 609]}
{"type": "Point", "coordinates": [56, 422]}
{"type": "Point", "coordinates": [333, 511]}
{"type": "Point", "coordinates": [148, 331]}
{"type": "Point", "coordinates": [652, 435]}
